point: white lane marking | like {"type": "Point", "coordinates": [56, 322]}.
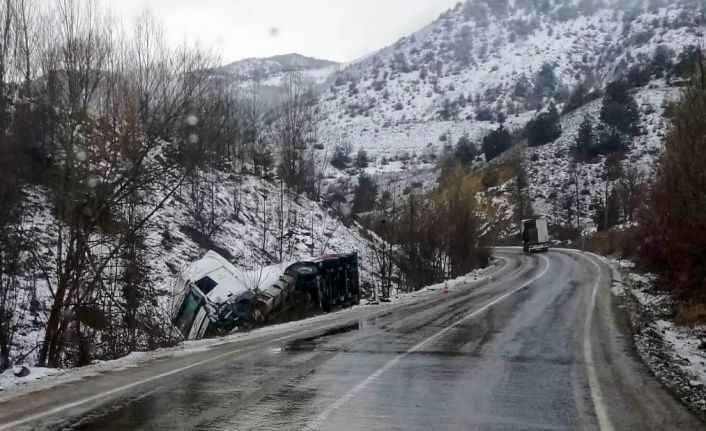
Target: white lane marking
{"type": "Point", "coordinates": [61, 408]}
{"type": "Point", "coordinates": [117, 390]}
{"type": "Point", "coordinates": [594, 385]}
{"type": "Point", "coordinates": [360, 386]}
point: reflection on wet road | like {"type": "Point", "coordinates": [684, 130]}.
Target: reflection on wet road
{"type": "Point", "coordinates": [508, 355]}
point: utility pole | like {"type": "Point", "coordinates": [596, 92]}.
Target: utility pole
{"type": "Point", "coordinates": [578, 206]}
{"type": "Point", "coordinates": [605, 207]}
{"type": "Point", "coordinates": [264, 221]}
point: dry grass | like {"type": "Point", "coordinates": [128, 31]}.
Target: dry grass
{"type": "Point", "coordinates": [621, 244]}
{"type": "Point", "coordinates": [691, 313]}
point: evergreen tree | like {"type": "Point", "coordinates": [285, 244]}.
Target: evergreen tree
{"type": "Point", "coordinates": [585, 139]}
{"type": "Point", "coordinates": [613, 217]}
{"type": "Point", "coordinates": [577, 99]}
{"type": "Point", "coordinates": [361, 159]}
{"type": "Point", "coordinates": [609, 142]}
{"type": "Point", "coordinates": [365, 194]}
{"type": "Point", "coordinates": [619, 108]}
{"type": "Point", "coordinates": [466, 151]}
{"type": "Point", "coordinates": [546, 82]}
{"type": "Point", "coordinates": [341, 158]}
{"type": "Point", "coordinates": [449, 110]}
{"type": "Point", "coordinates": [544, 128]}
{"type": "Point", "coordinates": [496, 143]}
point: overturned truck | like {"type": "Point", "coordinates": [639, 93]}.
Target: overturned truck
{"type": "Point", "coordinates": [214, 298]}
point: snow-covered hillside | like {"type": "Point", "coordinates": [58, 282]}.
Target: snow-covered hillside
{"type": "Point", "coordinates": [485, 58]}
{"type": "Point", "coordinates": [485, 61]}
{"type": "Point", "coordinates": [271, 72]}
{"type": "Point", "coordinates": [549, 166]}
{"type": "Point", "coordinates": [253, 215]}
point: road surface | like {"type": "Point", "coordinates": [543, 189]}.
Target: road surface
{"type": "Point", "coordinates": [544, 346]}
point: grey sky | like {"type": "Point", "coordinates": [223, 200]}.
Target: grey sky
{"type": "Point", "coordinates": [340, 30]}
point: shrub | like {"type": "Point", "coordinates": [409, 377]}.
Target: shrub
{"type": "Point", "coordinates": [361, 159]}
{"type": "Point", "coordinates": [496, 143]}
{"type": "Point", "coordinates": [585, 139]}
{"type": "Point", "coordinates": [466, 151]}
{"type": "Point", "coordinates": [619, 108]}
{"type": "Point", "coordinates": [672, 225]}
{"type": "Point", "coordinates": [609, 142]}
{"type": "Point", "coordinates": [491, 178]}
{"type": "Point", "coordinates": [365, 195]}
{"type": "Point", "coordinates": [544, 128]}
{"type": "Point", "coordinates": [484, 114]}
{"type": "Point", "coordinates": [341, 157]}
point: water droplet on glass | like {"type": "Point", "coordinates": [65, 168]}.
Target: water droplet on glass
{"type": "Point", "coordinates": [81, 156]}
{"type": "Point", "coordinates": [93, 182]}
{"type": "Point", "coordinates": [193, 138]}
{"type": "Point", "coordinates": [274, 31]}
{"type": "Point", "coordinates": [192, 120]}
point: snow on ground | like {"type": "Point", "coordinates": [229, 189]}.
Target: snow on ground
{"type": "Point", "coordinates": [549, 166]}
{"type": "Point", "coordinates": [44, 378]}
{"type": "Point", "coordinates": [253, 215]}
{"type": "Point", "coordinates": [675, 354]}
{"type": "Point", "coordinates": [389, 103]}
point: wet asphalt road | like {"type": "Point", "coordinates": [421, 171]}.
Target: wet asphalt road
{"type": "Point", "coordinates": [544, 346]}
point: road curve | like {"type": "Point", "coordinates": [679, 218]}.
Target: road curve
{"type": "Point", "coordinates": [543, 346]}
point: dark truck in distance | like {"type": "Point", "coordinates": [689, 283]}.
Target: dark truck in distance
{"type": "Point", "coordinates": [213, 297]}
{"type": "Point", "coordinates": [535, 234]}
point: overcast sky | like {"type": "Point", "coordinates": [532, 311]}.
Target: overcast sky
{"type": "Point", "coordinates": [340, 30]}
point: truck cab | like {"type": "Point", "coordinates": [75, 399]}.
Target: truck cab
{"type": "Point", "coordinates": [535, 235]}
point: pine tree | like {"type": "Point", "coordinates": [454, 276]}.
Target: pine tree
{"type": "Point", "coordinates": [544, 128]}
{"type": "Point", "coordinates": [619, 108]}
{"type": "Point", "coordinates": [585, 139]}
{"type": "Point", "coordinates": [361, 159]}
{"type": "Point", "coordinates": [365, 194]}
{"type": "Point", "coordinates": [496, 143]}
{"type": "Point", "coordinates": [466, 151]}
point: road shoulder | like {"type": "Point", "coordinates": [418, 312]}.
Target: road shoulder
{"type": "Point", "coordinates": [640, 353]}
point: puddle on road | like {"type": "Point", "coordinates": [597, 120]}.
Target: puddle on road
{"type": "Point", "coordinates": [310, 343]}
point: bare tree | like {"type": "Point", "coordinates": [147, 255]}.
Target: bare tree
{"type": "Point", "coordinates": [206, 211]}
{"type": "Point", "coordinates": [7, 46]}
{"type": "Point", "coordinates": [293, 133]}
{"type": "Point", "coordinates": [109, 175]}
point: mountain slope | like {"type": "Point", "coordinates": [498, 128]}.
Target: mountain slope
{"type": "Point", "coordinates": [481, 59]}
{"type": "Point", "coordinates": [255, 221]}
{"type": "Point", "coordinates": [270, 72]}
{"type": "Point", "coordinates": [489, 61]}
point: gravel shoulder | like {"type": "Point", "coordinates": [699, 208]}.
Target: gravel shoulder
{"type": "Point", "coordinates": [676, 355]}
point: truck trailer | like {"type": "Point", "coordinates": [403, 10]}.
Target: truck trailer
{"type": "Point", "coordinates": [214, 298]}
{"type": "Point", "coordinates": [535, 235]}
